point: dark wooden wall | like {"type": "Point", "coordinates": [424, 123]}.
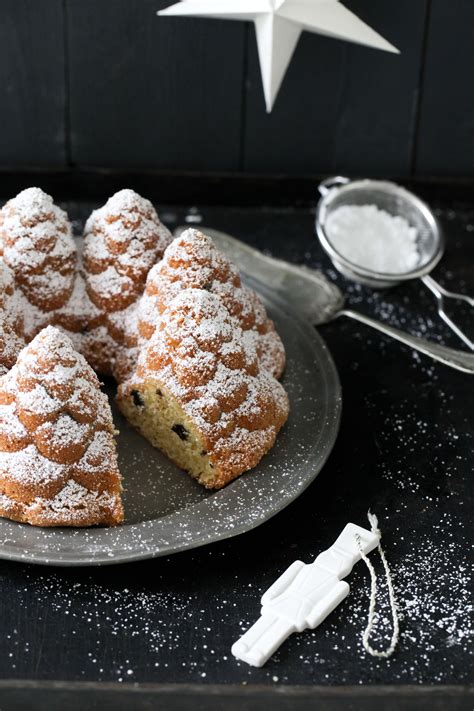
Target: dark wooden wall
{"type": "Point", "coordinates": [106, 83]}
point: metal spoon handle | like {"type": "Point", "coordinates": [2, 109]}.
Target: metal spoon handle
{"type": "Point", "coordinates": [449, 356]}
{"type": "Point", "coordinates": [441, 295]}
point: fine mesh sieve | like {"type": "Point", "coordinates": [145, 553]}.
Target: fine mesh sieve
{"type": "Point", "coordinates": [340, 191]}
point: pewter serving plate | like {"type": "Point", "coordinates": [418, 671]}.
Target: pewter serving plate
{"type": "Point", "coordinates": [166, 511]}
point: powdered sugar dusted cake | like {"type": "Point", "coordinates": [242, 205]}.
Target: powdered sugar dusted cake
{"type": "Point", "coordinates": [58, 465]}
{"type": "Point", "coordinates": [122, 241]}
{"type": "Point", "coordinates": [200, 393]}
{"type": "Point", "coordinates": [39, 248]}
{"type": "Point", "coordinates": [193, 261]}
{"type": "Point", "coordinates": [39, 251]}
{"type": "Point", "coordinates": [11, 321]}
{"type": "Point", "coordinates": [193, 348]}
{"type": "Point", "coordinates": [92, 296]}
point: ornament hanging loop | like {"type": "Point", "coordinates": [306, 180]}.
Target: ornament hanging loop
{"type": "Point", "coordinates": [385, 653]}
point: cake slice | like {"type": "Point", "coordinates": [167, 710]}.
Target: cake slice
{"type": "Point", "coordinates": [58, 463]}
{"type": "Point", "coordinates": [200, 394]}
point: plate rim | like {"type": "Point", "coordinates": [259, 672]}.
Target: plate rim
{"type": "Point", "coordinates": [171, 548]}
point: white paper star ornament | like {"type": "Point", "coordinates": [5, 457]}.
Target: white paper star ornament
{"type": "Point", "coordinates": [278, 26]}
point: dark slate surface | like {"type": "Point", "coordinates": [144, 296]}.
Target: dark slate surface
{"type": "Point", "coordinates": [32, 83]}
{"type": "Point", "coordinates": [149, 91]}
{"type": "Point", "coordinates": [404, 450]}
{"type": "Point", "coordinates": [446, 128]}
{"type": "Point", "coordinates": [341, 106]}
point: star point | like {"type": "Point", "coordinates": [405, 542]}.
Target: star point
{"type": "Point", "coordinates": [278, 26]}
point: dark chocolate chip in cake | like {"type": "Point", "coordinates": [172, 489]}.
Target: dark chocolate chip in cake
{"type": "Point", "coordinates": [181, 431]}
{"type": "Point", "coordinates": [137, 399]}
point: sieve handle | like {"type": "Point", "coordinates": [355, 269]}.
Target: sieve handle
{"type": "Point", "coordinates": [449, 356]}
{"type": "Point", "coordinates": [326, 185]}
{"type": "Point", "coordinates": [441, 295]}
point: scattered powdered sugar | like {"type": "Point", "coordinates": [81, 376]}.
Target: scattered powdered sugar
{"type": "Point", "coordinates": [157, 611]}
{"type": "Point", "coordinates": [73, 496]}
{"type": "Point", "coordinates": [24, 250]}
{"type": "Point", "coordinates": [37, 400]}
{"type": "Point", "coordinates": [52, 356]}
{"type": "Point", "coordinates": [10, 425]}
{"type": "Point", "coordinates": [65, 431]}
{"type": "Point", "coordinates": [79, 302]}
{"type": "Point", "coordinates": [28, 466]}
{"type": "Point", "coordinates": [34, 204]}
{"type": "Point", "coordinates": [7, 281]}
{"type": "Point", "coordinates": [126, 319]}
{"type": "Point", "coordinates": [33, 317]}
{"type": "Point", "coordinates": [73, 501]}
{"type": "Point", "coordinates": [372, 238]}
{"type": "Point", "coordinates": [435, 603]}
{"type": "Point", "coordinates": [124, 201]}
{"type": "Point", "coordinates": [109, 282]}
{"type": "Point", "coordinates": [154, 626]}
{"type": "Point", "coordinates": [100, 453]}
{"type": "Point", "coordinates": [11, 343]}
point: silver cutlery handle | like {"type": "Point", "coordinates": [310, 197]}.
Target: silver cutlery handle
{"type": "Point", "coordinates": [441, 295]}
{"type": "Point", "coordinates": [449, 356]}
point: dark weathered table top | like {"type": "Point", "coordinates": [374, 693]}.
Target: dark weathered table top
{"type": "Point", "coordinates": [404, 450]}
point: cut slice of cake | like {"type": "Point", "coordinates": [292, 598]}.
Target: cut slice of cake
{"type": "Point", "coordinates": [200, 394]}
{"type": "Point", "coordinates": [58, 463]}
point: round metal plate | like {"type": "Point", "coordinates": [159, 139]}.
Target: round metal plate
{"type": "Point", "coordinates": [166, 511]}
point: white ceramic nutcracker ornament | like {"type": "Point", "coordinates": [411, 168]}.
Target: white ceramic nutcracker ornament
{"type": "Point", "coordinates": [304, 595]}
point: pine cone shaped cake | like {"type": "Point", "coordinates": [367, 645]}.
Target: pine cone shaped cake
{"type": "Point", "coordinates": [11, 321]}
{"type": "Point", "coordinates": [10, 344]}
{"type": "Point", "coordinates": [122, 241]}
{"type": "Point", "coordinates": [58, 465]}
{"type": "Point", "coordinates": [40, 255]}
{"type": "Point", "coordinates": [39, 249]}
{"type": "Point", "coordinates": [193, 261]}
{"type": "Point", "coordinates": [200, 394]}
{"type": "Point", "coordinates": [192, 348]}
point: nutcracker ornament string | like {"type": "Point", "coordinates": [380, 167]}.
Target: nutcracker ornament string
{"type": "Point", "coordinates": [385, 653]}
